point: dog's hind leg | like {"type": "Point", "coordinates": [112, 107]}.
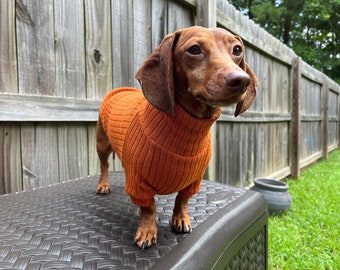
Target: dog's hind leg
{"type": "Point", "coordinates": [104, 149]}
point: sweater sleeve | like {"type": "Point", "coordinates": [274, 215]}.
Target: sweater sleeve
{"type": "Point", "coordinates": [190, 190]}
{"type": "Point", "coordinates": [140, 192]}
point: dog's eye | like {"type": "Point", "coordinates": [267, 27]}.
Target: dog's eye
{"type": "Point", "coordinates": [237, 50]}
{"type": "Point", "coordinates": [195, 50]}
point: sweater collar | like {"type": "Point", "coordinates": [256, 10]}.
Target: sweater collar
{"type": "Point", "coordinates": [182, 133]}
{"type": "Point", "coordinates": [184, 120]}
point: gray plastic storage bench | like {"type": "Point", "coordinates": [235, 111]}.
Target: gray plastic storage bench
{"type": "Point", "coordinates": [69, 226]}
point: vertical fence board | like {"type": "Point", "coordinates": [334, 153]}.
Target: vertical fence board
{"type": "Point", "coordinates": [10, 156]}
{"type": "Point", "coordinates": [72, 150]}
{"type": "Point", "coordinates": [159, 10]}
{"type": "Point", "coordinates": [206, 13]}
{"type": "Point", "coordinates": [69, 48]}
{"type": "Point", "coordinates": [311, 120]}
{"type": "Point", "coordinates": [35, 36]}
{"type": "Point", "coordinates": [98, 48]}
{"type": "Point", "coordinates": [142, 40]}
{"type": "Point", "coordinates": [333, 119]}
{"type": "Point", "coordinates": [122, 46]}
{"type": "Point", "coordinates": [236, 152]}
{"type": "Point", "coordinates": [8, 58]}
{"type": "Point", "coordinates": [256, 62]}
{"type": "Point", "coordinates": [179, 16]}
{"type": "Point", "coordinates": [35, 42]}
{"type": "Point", "coordinates": [98, 65]}
{"type": "Point", "coordinates": [40, 154]}
{"type": "Point", "coordinates": [70, 82]}
{"type": "Point", "coordinates": [10, 164]}
{"type": "Point", "coordinates": [325, 124]}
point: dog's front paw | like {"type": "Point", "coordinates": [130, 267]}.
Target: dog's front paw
{"type": "Point", "coordinates": [181, 223]}
{"type": "Point", "coordinates": [103, 189]}
{"type": "Point", "coordinates": [146, 234]}
{"type": "Point", "coordinates": [181, 218]}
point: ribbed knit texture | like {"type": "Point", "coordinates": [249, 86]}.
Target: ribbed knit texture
{"type": "Point", "coordinates": [161, 154]}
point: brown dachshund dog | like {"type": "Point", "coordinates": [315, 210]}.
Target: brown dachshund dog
{"type": "Point", "coordinates": [162, 133]}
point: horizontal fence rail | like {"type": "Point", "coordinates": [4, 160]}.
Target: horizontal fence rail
{"type": "Point", "coordinates": [58, 59]}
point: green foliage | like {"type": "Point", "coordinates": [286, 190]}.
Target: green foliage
{"type": "Point", "coordinates": [310, 27]}
{"type": "Point", "coordinates": [307, 236]}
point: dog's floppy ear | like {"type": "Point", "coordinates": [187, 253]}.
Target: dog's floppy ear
{"type": "Point", "coordinates": [156, 76]}
{"type": "Point", "coordinates": [242, 106]}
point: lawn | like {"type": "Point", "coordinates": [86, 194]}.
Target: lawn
{"type": "Point", "coordinates": [308, 235]}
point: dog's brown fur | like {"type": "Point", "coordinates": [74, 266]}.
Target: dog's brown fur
{"type": "Point", "coordinates": [201, 69]}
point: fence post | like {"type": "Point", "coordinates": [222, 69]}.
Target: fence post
{"type": "Point", "coordinates": [325, 118]}
{"type": "Point", "coordinates": [295, 118]}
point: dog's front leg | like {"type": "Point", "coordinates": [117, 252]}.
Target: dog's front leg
{"type": "Point", "coordinates": [146, 234]}
{"type": "Point", "coordinates": [181, 218]}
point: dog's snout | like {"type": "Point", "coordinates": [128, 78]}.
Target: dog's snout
{"type": "Point", "coordinates": [237, 81]}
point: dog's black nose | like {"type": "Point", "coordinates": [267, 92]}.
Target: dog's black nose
{"type": "Point", "coordinates": [237, 81]}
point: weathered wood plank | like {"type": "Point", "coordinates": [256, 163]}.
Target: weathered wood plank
{"type": "Point", "coordinates": [311, 73]}
{"type": "Point", "coordinates": [35, 41]}
{"type": "Point", "coordinates": [333, 119]}
{"type": "Point", "coordinates": [122, 45]}
{"type": "Point", "coordinates": [305, 162]}
{"type": "Point", "coordinates": [276, 147]}
{"type": "Point", "coordinates": [47, 108]}
{"type": "Point", "coordinates": [179, 16]}
{"type": "Point", "coordinates": [37, 75]}
{"type": "Point", "coordinates": [245, 151]}
{"type": "Point", "coordinates": [98, 65]}
{"type": "Point", "coordinates": [159, 21]}
{"type": "Point", "coordinates": [39, 154]}
{"type": "Point", "coordinates": [71, 82]}
{"type": "Point", "coordinates": [311, 97]}
{"type": "Point", "coordinates": [98, 48]}
{"type": "Point", "coordinates": [10, 162]}
{"type": "Point", "coordinates": [325, 97]}
{"type": "Point", "coordinates": [253, 117]}
{"type": "Point", "coordinates": [69, 48]}
{"type": "Point", "coordinates": [256, 61]}
{"type": "Point", "coordinates": [206, 13]}
{"type": "Point", "coordinates": [8, 58]}
{"type": "Point", "coordinates": [142, 38]}
{"type": "Point", "coordinates": [10, 156]}
{"type": "Point", "coordinates": [72, 150]}
{"type": "Point", "coordinates": [311, 139]}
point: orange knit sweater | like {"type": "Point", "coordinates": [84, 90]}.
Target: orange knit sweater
{"type": "Point", "coordinates": [161, 154]}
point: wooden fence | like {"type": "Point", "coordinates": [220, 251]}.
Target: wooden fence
{"type": "Point", "coordinates": [58, 58]}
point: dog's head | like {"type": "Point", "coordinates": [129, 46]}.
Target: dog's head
{"type": "Point", "coordinates": [200, 68]}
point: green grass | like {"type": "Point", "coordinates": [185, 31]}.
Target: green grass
{"type": "Point", "coordinates": [308, 235]}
